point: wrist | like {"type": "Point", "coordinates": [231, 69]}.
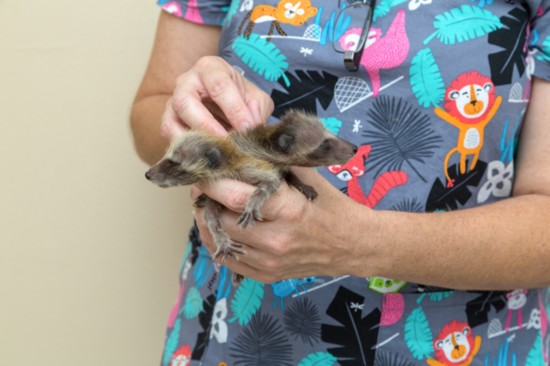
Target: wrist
{"type": "Point", "coordinates": [362, 231]}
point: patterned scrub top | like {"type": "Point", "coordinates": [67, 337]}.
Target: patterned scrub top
{"type": "Point", "coordinates": [436, 107]}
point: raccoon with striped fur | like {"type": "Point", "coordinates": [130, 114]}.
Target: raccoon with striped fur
{"type": "Point", "coordinates": [261, 156]}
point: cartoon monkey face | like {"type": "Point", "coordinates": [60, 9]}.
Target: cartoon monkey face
{"type": "Point", "coordinates": [294, 12]}
{"type": "Point", "coordinates": [516, 299]}
{"type": "Point", "coordinates": [455, 345]}
{"type": "Point", "coordinates": [472, 100]}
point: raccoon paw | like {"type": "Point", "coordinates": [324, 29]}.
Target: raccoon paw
{"type": "Point", "coordinates": [248, 217]}
{"type": "Point", "coordinates": [309, 192]}
{"type": "Point", "coordinates": [228, 249]}
{"type": "Point", "coordinates": [237, 279]}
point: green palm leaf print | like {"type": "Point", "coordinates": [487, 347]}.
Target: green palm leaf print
{"type": "Point", "coordinates": [426, 81]}
{"type": "Point", "coordinates": [193, 304]}
{"type": "Point", "coordinates": [262, 57]}
{"type": "Point", "coordinates": [463, 24]}
{"type": "Point", "coordinates": [418, 335]}
{"type": "Point", "coordinates": [247, 301]}
{"type": "Point", "coordinates": [545, 55]}
{"type": "Point", "coordinates": [318, 359]}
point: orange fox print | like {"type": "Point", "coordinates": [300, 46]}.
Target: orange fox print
{"type": "Point", "coordinates": [355, 168]}
{"type": "Point", "coordinates": [293, 12]}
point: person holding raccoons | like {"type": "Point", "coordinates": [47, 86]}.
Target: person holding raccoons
{"type": "Point", "coordinates": [431, 245]}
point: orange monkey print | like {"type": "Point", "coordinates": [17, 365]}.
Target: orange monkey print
{"type": "Point", "coordinates": [455, 345]}
{"type": "Point", "coordinates": [293, 12]}
{"type": "Point", "coordinates": [470, 103]}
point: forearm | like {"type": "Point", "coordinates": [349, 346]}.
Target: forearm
{"type": "Point", "coordinates": [178, 45]}
{"type": "Point", "coordinates": [145, 120]}
{"type": "Point", "coordinates": [498, 246]}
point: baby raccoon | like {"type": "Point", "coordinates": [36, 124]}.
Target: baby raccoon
{"type": "Point", "coordinates": [260, 156]}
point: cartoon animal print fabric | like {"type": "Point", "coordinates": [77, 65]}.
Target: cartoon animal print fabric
{"type": "Point", "coordinates": [436, 108]}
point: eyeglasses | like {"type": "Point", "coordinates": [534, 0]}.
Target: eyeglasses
{"type": "Point", "coordinates": [354, 20]}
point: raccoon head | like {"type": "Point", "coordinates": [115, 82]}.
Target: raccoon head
{"type": "Point", "coordinates": [190, 159]}
{"type": "Point", "coordinates": [306, 142]}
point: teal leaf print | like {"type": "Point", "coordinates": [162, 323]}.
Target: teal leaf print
{"type": "Point", "coordinates": [186, 253]}
{"type": "Point", "coordinates": [193, 304]}
{"type": "Point", "coordinates": [232, 10]}
{"type": "Point", "coordinates": [426, 81]}
{"type": "Point", "coordinates": [247, 300]}
{"type": "Point", "coordinates": [418, 335]}
{"type": "Point", "coordinates": [171, 343]}
{"type": "Point", "coordinates": [332, 124]}
{"type": "Point", "coordinates": [535, 355]}
{"type": "Point", "coordinates": [318, 359]}
{"type": "Point", "coordinates": [383, 8]}
{"type": "Point", "coordinates": [262, 56]}
{"type": "Point", "coordinates": [545, 56]}
{"type": "Point", "coordinates": [435, 296]}
{"type": "Point", "coordinates": [331, 30]}
{"type": "Point", "coordinates": [463, 24]}
{"type": "Point", "coordinates": [439, 296]}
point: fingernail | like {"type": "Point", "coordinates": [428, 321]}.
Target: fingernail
{"type": "Point", "coordinates": [220, 131]}
{"type": "Point", "coordinates": [248, 125]}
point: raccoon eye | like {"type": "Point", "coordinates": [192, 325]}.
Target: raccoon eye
{"type": "Point", "coordinates": [172, 162]}
{"type": "Point", "coordinates": [168, 165]}
{"type": "Point", "coordinates": [214, 158]}
{"type": "Point", "coordinates": [326, 145]}
{"type": "Point", "coordinates": [285, 141]}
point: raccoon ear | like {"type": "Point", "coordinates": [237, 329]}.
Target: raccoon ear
{"type": "Point", "coordinates": [285, 141]}
{"type": "Point", "coordinates": [214, 158]}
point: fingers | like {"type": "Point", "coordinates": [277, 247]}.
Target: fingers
{"type": "Point", "coordinates": [212, 96]}
{"type": "Point", "coordinates": [238, 264]}
{"type": "Point", "coordinates": [171, 126]}
{"type": "Point", "coordinates": [231, 194]}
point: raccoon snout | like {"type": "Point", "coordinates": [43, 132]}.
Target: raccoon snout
{"type": "Point", "coordinates": [148, 175]}
{"type": "Point", "coordinates": [347, 150]}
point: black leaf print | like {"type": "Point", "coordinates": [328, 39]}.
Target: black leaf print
{"type": "Point", "coordinates": [391, 359]}
{"type": "Point", "coordinates": [355, 336]}
{"type": "Point", "coordinates": [409, 205]}
{"type": "Point", "coordinates": [427, 289]}
{"type": "Point", "coordinates": [304, 91]}
{"type": "Point", "coordinates": [262, 342]}
{"type": "Point", "coordinates": [303, 321]}
{"type": "Point", "coordinates": [195, 244]}
{"type": "Point", "coordinates": [512, 38]}
{"type": "Point", "coordinates": [402, 134]}
{"type": "Point", "coordinates": [442, 198]}
{"type": "Point", "coordinates": [205, 320]}
{"type": "Point", "coordinates": [477, 310]}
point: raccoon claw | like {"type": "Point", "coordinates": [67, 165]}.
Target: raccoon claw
{"type": "Point", "coordinates": [237, 279]}
{"type": "Point", "coordinates": [309, 192]}
{"type": "Point", "coordinates": [247, 218]}
{"type": "Point", "coordinates": [228, 251]}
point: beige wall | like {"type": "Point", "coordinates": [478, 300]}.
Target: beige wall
{"type": "Point", "coordinates": [89, 251]}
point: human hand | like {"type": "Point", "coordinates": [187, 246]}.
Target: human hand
{"type": "Point", "coordinates": [297, 238]}
{"type": "Point", "coordinates": [213, 96]}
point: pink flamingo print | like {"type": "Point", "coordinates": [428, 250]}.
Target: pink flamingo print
{"type": "Point", "coordinates": [381, 53]}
